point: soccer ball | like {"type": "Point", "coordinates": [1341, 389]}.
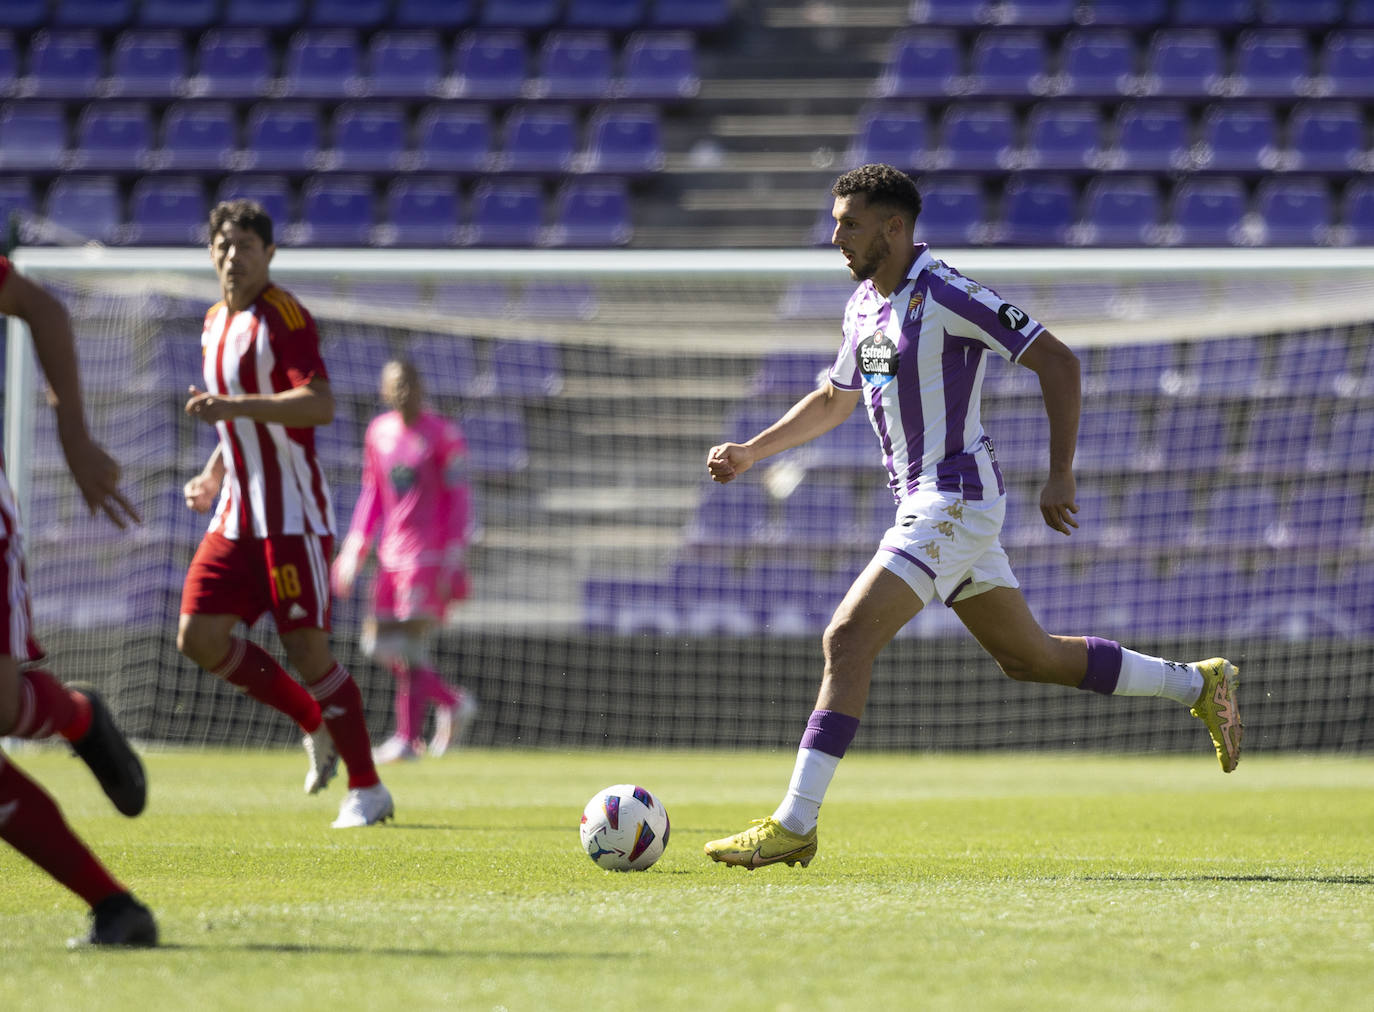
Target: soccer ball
{"type": "Point", "coordinates": [624, 828]}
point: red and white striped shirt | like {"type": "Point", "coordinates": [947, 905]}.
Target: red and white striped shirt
{"type": "Point", "coordinates": [273, 482]}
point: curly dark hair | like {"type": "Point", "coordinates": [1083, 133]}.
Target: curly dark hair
{"type": "Point", "coordinates": [881, 184]}
{"type": "Point", "coordinates": [246, 214]}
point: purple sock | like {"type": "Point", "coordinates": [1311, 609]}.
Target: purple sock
{"type": "Point", "coordinates": [830, 731]}
{"type": "Point", "coordinates": [1104, 666]}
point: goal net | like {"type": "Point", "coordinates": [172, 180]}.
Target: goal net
{"type": "Point", "coordinates": [621, 599]}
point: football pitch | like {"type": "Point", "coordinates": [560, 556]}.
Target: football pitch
{"type": "Point", "coordinates": [995, 881]}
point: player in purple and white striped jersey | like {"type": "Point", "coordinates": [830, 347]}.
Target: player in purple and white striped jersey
{"type": "Point", "coordinates": [916, 337]}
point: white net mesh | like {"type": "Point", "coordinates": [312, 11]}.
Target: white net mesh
{"type": "Point", "coordinates": [1224, 472]}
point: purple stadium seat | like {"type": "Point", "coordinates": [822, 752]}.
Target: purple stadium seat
{"type": "Point", "coordinates": [1156, 511]}
{"type": "Point", "coordinates": [368, 136]}
{"type": "Point", "coordinates": [1097, 63]}
{"type": "Point", "coordinates": [1046, 13]}
{"type": "Point", "coordinates": [84, 207]}
{"type": "Point", "coordinates": [1038, 211]}
{"type": "Point", "coordinates": [1326, 136]}
{"type": "Point", "coordinates": [792, 373]}
{"type": "Point", "coordinates": [438, 15]}
{"type": "Point", "coordinates": [976, 136]}
{"type": "Point", "coordinates": [356, 371]}
{"type": "Point", "coordinates": [16, 198]}
{"type": "Point", "coordinates": [953, 210]}
{"type": "Point", "coordinates": [1294, 211]}
{"type": "Point", "coordinates": [524, 369]}
{"type": "Point", "coordinates": [1272, 62]}
{"type": "Point", "coordinates": [1347, 63]}
{"type": "Point", "coordinates": [613, 15]}
{"type": "Point", "coordinates": [1110, 438]}
{"type": "Point", "coordinates": [1223, 367]}
{"type": "Point", "coordinates": [1326, 511]}
{"type": "Point", "coordinates": [895, 135]}
{"type": "Point", "coordinates": [1309, 364]}
{"type": "Point", "coordinates": [193, 15]}
{"type": "Point", "coordinates": [1126, 13]}
{"type": "Point", "coordinates": [739, 516]}
{"type": "Point", "coordinates": [1301, 13]}
{"type": "Point", "coordinates": [197, 135]}
{"type": "Point", "coordinates": [24, 14]}
{"type": "Point", "coordinates": [1009, 63]}
{"type": "Point", "coordinates": [538, 139]}
{"type": "Point", "coordinates": [454, 138]}
{"type": "Point", "coordinates": [1188, 62]}
{"type": "Point", "coordinates": [420, 211]}
{"type": "Point", "coordinates": [1282, 440]}
{"type": "Point", "coordinates": [33, 135]}
{"type": "Point", "coordinates": [1208, 212]}
{"type": "Point", "coordinates": [506, 212]}
{"type": "Point", "coordinates": [490, 64]}
{"type": "Point", "coordinates": [958, 13]}
{"type": "Point", "coordinates": [234, 63]}
{"type": "Point", "coordinates": [98, 14]}
{"type": "Point", "coordinates": [926, 64]}
{"type": "Point", "coordinates": [819, 513]}
{"type": "Point", "coordinates": [404, 64]}
{"type": "Point", "coordinates": [323, 63]}
{"type": "Point", "coordinates": [1194, 438]}
{"type": "Point", "coordinates": [497, 440]}
{"type": "Point", "coordinates": [697, 15]}
{"type": "Point", "coordinates": [1020, 434]}
{"type": "Point", "coordinates": [623, 139]}
{"type": "Point", "coordinates": [1122, 211]}
{"type": "Point", "coordinates": [282, 136]}
{"type": "Point", "coordinates": [362, 14]}
{"type": "Point", "coordinates": [1151, 136]}
{"type": "Point", "coordinates": [64, 63]}
{"type": "Point", "coordinates": [9, 63]}
{"type": "Point", "coordinates": [574, 65]}
{"type": "Point", "coordinates": [1350, 447]}
{"type": "Point", "coordinates": [1357, 212]}
{"type": "Point", "coordinates": [148, 64]}
{"type": "Point", "coordinates": [1137, 368]}
{"type": "Point", "coordinates": [272, 14]}
{"type": "Point", "coordinates": [1062, 135]}
{"type": "Point", "coordinates": [447, 362]}
{"type": "Point", "coordinates": [1214, 13]}
{"type": "Point", "coordinates": [526, 15]}
{"type": "Point", "coordinates": [272, 192]}
{"type": "Point", "coordinates": [1242, 517]}
{"type": "Point", "coordinates": [1238, 137]}
{"type": "Point", "coordinates": [592, 212]}
{"type": "Point", "coordinates": [168, 211]}
{"type": "Point", "coordinates": [659, 65]}
{"type": "Point", "coordinates": [335, 211]}
{"type": "Point", "coordinates": [809, 300]}
{"type": "Point", "coordinates": [113, 137]}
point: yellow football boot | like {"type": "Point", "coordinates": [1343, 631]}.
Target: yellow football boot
{"type": "Point", "coordinates": [764, 842]}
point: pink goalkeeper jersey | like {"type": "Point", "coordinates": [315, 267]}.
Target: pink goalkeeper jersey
{"type": "Point", "coordinates": [415, 499]}
{"type": "Point", "coordinates": [273, 482]}
{"type": "Point", "coordinates": [918, 357]}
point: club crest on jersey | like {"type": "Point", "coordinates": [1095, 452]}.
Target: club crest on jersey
{"type": "Point", "coordinates": [914, 305]}
{"type": "Point", "coordinates": [878, 359]}
{"type": "Point", "coordinates": [1011, 317]}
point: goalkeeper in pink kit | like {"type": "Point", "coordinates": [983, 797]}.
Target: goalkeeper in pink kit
{"type": "Point", "coordinates": [416, 506]}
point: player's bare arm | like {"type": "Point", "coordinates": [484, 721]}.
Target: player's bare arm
{"type": "Point", "coordinates": [96, 473]}
{"type": "Point", "coordinates": [1057, 367]}
{"type": "Point", "coordinates": [814, 415]}
{"type": "Point", "coordinates": [301, 407]}
{"type": "Point", "coordinates": [201, 490]}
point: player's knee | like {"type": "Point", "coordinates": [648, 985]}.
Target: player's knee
{"type": "Point", "coordinates": [202, 645]}
{"type": "Point", "coordinates": [845, 645]}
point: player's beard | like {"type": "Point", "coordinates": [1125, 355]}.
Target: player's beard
{"type": "Point", "coordinates": [874, 255]}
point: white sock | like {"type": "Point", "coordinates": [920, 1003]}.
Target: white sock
{"type": "Point", "coordinates": [1142, 675]}
{"type": "Point", "coordinates": [800, 809]}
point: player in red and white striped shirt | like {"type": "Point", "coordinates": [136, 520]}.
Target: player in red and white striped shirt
{"type": "Point", "coordinates": [33, 703]}
{"type": "Point", "coordinates": [272, 531]}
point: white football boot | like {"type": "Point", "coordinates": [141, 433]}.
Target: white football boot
{"type": "Point", "coordinates": [365, 806]}
{"type": "Point", "coordinates": [324, 760]}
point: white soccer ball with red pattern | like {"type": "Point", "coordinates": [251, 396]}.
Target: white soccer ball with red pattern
{"type": "Point", "coordinates": [624, 828]}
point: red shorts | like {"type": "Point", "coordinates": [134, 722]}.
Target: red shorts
{"type": "Point", "coordinates": [16, 618]}
{"type": "Point", "coordinates": [400, 595]}
{"type": "Point", "coordinates": [286, 574]}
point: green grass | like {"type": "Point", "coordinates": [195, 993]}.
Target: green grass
{"type": "Point", "coordinates": [986, 882]}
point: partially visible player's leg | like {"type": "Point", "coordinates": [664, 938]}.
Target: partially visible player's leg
{"type": "Point", "coordinates": [875, 608]}
{"type": "Point", "coordinates": [1003, 624]}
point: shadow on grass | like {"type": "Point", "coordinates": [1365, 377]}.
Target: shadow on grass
{"type": "Point", "coordinates": [1360, 880]}
{"type": "Point", "coordinates": [289, 948]}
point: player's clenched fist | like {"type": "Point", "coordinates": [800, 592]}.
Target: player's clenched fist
{"type": "Point", "coordinates": [728, 460]}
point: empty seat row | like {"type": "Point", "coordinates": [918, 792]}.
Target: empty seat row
{"type": "Point", "coordinates": [1141, 13]}
{"type": "Point", "coordinates": [290, 136]}
{"type": "Point", "coordinates": [533, 15]}
{"type": "Point", "coordinates": [1187, 62]}
{"type": "Point", "coordinates": [1314, 136]}
{"type": "Point", "coordinates": [342, 210]}
{"type": "Point", "coordinates": [1135, 210]}
{"type": "Point", "coordinates": [334, 63]}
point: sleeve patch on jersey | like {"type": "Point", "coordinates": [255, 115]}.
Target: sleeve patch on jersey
{"type": "Point", "coordinates": [1011, 317]}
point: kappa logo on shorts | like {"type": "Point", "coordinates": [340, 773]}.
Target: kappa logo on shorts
{"type": "Point", "coordinates": [1012, 317]}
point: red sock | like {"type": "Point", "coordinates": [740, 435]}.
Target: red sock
{"type": "Point", "coordinates": [252, 670]}
{"type": "Point", "coordinates": [46, 707]}
{"type": "Point", "coordinates": [341, 705]}
{"type": "Point", "coordinates": [32, 824]}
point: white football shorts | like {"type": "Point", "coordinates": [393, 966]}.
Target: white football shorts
{"type": "Point", "coordinates": [947, 547]}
